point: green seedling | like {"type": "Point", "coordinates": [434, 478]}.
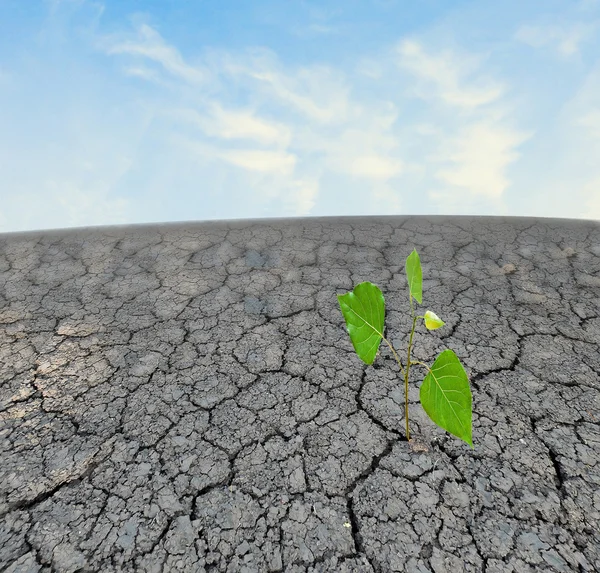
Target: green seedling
{"type": "Point", "coordinates": [445, 393]}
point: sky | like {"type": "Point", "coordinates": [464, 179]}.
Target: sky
{"type": "Point", "coordinates": [123, 112]}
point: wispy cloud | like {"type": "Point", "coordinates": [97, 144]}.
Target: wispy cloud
{"type": "Point", "coordinates": [218, 122]}
{"type": "Point", "coordinates": [56, 5]}
{"type": "Point", "coordinates": [320, 29]}
{"type": "Point", "coordinates": [364, 146]}
{"type": "Point", "coordinates": [321, 96]}
{"type": "Point", "coordinates": [370, 68]}
{"type": "Point", "coordinates": [427, 122]}
{"type": "Point", "coordinates": [318, 22]}
{"type": "Point", "coordinates": [482, 152]}
{"type": "Point", "coordinates": [591, 121]}
{"type": "Point", "coordinates": [445, 71]}
{"type": "Point", "coordinates": [143, 73]}
{"type": "Point", "coordinates": [582, 110]}
{"type": "Point", "coordinates": [258, 160]}
{"type": "Point", "coordinates": [317, 92]}
{"type": "Point", "coordinates": [566, 38]}
{"type": "Point", "coordinates": [151, 45]}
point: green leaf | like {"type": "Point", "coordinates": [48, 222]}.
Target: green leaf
{"type": "Point", "coordinates": [414, 276]}
{"type": "Point", "coordinates": [433, 321]}
{"type": "Point", "coordinates": [446, 396]}
{"type": "Point", "coordinates": [364, 311]}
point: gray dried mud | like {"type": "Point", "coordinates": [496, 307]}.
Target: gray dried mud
{"type": "Point", "coordinates": [185, 397]}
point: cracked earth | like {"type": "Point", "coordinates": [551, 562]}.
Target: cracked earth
{"type": "Point", "coordinates": [185, 397]}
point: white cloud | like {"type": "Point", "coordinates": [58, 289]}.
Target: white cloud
{"type": "Point", "coordinates": [258, 160]}
{"type": "Point", "coordinates": [583, 111]}
{"type": "Point", "coordinates": [321, 14]}
{"type": "Point", "coordinates": [480, 152]}
{"type": "Point", "coordinates": [55, 5]}
{"type": "Point", "coordinates": [427, 129]}
{"type": "Point", "coordinates": [300, 197]}
{"type": "Point", "coordinates": [322, 96]}
{"type": "Point", "coordinates": [318, 92]}
{"type": "Point", "coordinates": [580, 132]}
{"type": "Point", "coordinates": [59, 26]}
{"type": "Point", "coordinates": [318, 22]}
{"type": "Point", "coordinates": [387, 200]}
{"type": "Point", "coordinates": [85, 207]}
{"type": "Point", "coordinates": [591, 202]}
{"type": "Point", "coordinates": [143, 73]}
{"type": "Point", "coordinates": [249, 126]}
{"type": "Point", "coordinates": [364, 147]}
{"type": "Point", "coordinates": [66, 201]}
{"type": "Point", "coordinates": [332, 112]}
{"type": "Point", "coordinates": [483, 152]}
{"type": "Point", "coordinates": [320, 126]}
{"type": "Point", "coordinates": [153, 47]}
{"type": "Point", "coordinates": [365, 150]}
{"type": "Point", "coordinates": [262, 161]}
{"type": "Point", "coordinates": [320, 29]}
{"type": "Point", "coordinates": [374, 167]}
{"type": "Point", "coordinates": [591, 122]}
{"type": "Point", "coordinates": [229, 124]}
{"type": "Point", "coordinates": [446, 71]}
{"type": "Point", "coordinates": [314, 29]}
{"type": "Point", "coordinates": [370, 68]}
{"type": "Point", "coordinates": [566, 38]}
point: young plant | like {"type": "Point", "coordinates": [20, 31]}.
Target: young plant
{"type": "Point", "coordinates": [445, 393]}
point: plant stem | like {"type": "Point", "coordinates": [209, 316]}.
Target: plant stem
{"type": "Point", "coordinates": [421, 363]}
{"type": "Point", "coordinates": [405, 379]}
{"type": "Point", "coordinates": [408, 369]}
{"type": "Point", "coordinates": [406, 372]}
{"type": "Point", "coordinates": [395, 355]}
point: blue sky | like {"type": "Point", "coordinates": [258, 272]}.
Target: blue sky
{"type": "Point", "coordinates": [127, 111]}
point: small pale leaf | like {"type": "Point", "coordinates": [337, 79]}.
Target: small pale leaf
{"type": "Point", "coordinates": [364, 312]}
{"type": "Point", "coordinates": [433, 321]}
{"type": "Point", "coordinates": [446, 396]}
